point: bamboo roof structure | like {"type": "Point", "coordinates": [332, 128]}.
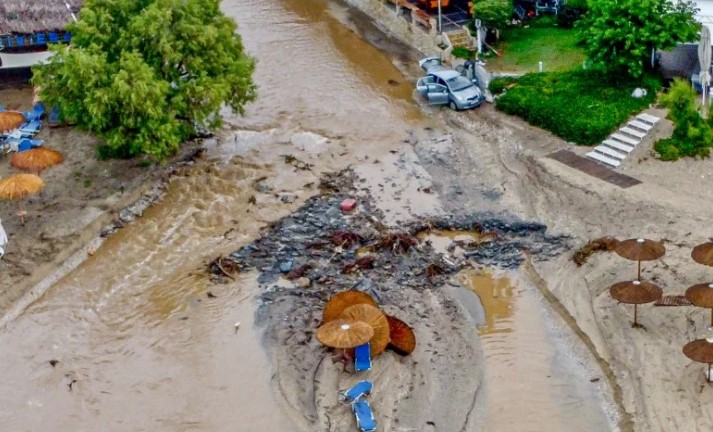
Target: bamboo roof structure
{"type": "Point", "coordinates": [24, 17]}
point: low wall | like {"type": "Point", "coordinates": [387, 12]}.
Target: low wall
{"type": "Point", "coordinates": [408, 31]}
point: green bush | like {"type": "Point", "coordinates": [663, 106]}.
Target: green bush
{"type": "Point", "coordinates": [464, 53]}
{"type": "Point", "coordinates": [692, 136]}
{"type": "Point", "coordinates": [579, 106]}
{"type": "Point", "coordinates": [498, 85]}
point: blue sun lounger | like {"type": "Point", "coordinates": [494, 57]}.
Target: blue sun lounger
{"type": "Point", "coordinates": [358, 390]}
{"type": "Point", "coordinates": [364, 416]}
{"type": "Point", "coordinates": [362, 357]}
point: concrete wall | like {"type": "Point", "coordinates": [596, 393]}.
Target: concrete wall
{"type": "Point", "coordinates": [408, 32]}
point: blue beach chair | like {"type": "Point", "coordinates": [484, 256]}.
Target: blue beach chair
{"type": "Point", "coordinates": [364, 416]}
{"type": "Point", "coordinates": [54, 37]}
{"type": "Point", "coordinates": [20, 41]}
{"type": "Point", "coordinates": [30, 128]}
{"type": "Point", "coordinates": [40, 39]}
{"type": "Point", "coordinates": [358, 390]}
{"type": "Point", "coordinates": [362, 357]}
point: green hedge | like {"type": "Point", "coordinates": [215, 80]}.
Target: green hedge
{"type": "Point", "coordinates": [579, 106]}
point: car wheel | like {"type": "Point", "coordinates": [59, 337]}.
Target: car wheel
{"type": "Point", "coordinates": [453, 106]}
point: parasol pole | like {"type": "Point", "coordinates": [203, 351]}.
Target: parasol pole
{"type": "Point", "coordinates": [708, 377]}
{"type": "Point", "coordinates": [711, 317]}
{"type": "Point", "coordinates": [639, 273]}
{"type": "Point", "coordinates": [635, 305]}
{"type": "Point", "coordinates": [439, 17]}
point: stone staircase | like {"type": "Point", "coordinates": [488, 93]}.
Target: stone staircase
{"type": "Point", "coordinates": [460, 38]}
{"type": "Point", "coordinates": [613, 150]}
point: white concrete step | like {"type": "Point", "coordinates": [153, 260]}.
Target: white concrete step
{"type": "Point", "coordinates": [626, 148]}
{"type": "Point", "coordinates": [608, 151]}
{"type": "Point", "coordinates": [648, 118]}
{"type": "Point", "coordinates": [640, 125]}
{"type": "Point", "coordinates": [604, 159]}
{"type": "Point", "coordinates": [633, 132]}
{"type": "Point", "coordinates": [625, 139]}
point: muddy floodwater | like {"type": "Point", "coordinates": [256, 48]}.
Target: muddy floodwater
{"type": "Point", "coordinates": [136, 338]}
{"type": "Point", "coordinates": [139, 343]}
{"type": "Point", "coordinates": [529, 368]}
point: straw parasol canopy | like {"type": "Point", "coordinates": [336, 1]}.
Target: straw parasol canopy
{"type": "Point", "coordinates": [344, 333]}
{"type": "Point", "coordinates": [703, 254]}
{"type": "Point", "coordinates": [636, 293]}
{"type": "Point", "coordinates": [701, 295]}
{"type": "Point", "coordinates": [640, 249]}
{"type": "Point", "coordinates": [10, 120]}
{"type": "Point", "coordinates": [336, 305]}
{"type": "Point", "coordinates": [376, 319]}
{"type": "Point", "coordinates": [700, 350]}
{"type": "Point", "coordinates": [403, 340]}
{"type": "Point", "coordinates": [19, 186]}
{"type": "Point", "coordinates": [37, 159]}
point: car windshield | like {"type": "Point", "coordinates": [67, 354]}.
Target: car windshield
{"type": "Point", "coordinates": [459, 83]}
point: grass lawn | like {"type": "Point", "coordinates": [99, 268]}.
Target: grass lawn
{"type": "Point", "coordinates": [522, 48]}
{"type": "Point", "coordinates": [579, 106]}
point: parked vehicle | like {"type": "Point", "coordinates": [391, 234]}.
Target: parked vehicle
{"type": "Point", "coordinates": [445, 86]}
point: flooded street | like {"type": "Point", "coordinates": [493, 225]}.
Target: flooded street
{"type": "Point", "coordinates": [137, 338]}
{"type": "Point", "coordinates": [133, 329]}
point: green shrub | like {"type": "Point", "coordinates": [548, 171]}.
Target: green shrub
{"type": "Point", "coordinates": [693, 136]}
{"type": "Point", "coordinates": [579, 106]}
{"type": "Point", "coordinates": [582, 5]}
{"type": "Point", "coordinates": [568, 15]}
{"type": "Point", "coordinates": [464, 53]}
{"type": "Point", "coordinates": [498, 85]}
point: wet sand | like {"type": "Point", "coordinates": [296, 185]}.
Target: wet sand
{"type": "Point", "coordinates": [135, 326]}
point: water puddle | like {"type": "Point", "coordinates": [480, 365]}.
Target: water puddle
{"type": "Point", "coordinates": [533, 380]}
{"type": "Point", "coordinates": [442, 240]}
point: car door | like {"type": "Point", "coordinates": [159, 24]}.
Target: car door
{"type": "Point", "coordinates": [437, 94]}
{"type": "Point", "coordinates": [422, 85]}
{"type": "Point", "coordinates": [429, 62]}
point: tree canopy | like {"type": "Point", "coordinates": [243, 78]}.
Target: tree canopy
{"type": "Point", "coordinates": [493, 13]}
{"type": "Point", "coordinates": [619, 35]}
{"type": "Point", "coordinates": [143, 74]}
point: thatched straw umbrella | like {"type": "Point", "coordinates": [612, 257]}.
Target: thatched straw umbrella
{"type": "Point", "coordinates": [700, 350]}
{"type": "Point", "coordinates": [376, 319]}
{"type": "Point", "coordinates": [636, 293]}
{"type": "Point", "coordinates": [701, 295]}
{"type": "Point", "coordinates": [640, 249]}
{"type": "Point", "coordinates": [10, 120]}
{"type": "Point", "coordinates": [403, 340]}
{"type": "Point", "coordinates": [36, 160]}
{"type": "Point", "coordinates": [703, 254]}
{"type": "Point", "coordinates": [344, 333]}
{"type": "Point", "coordinates": [336, 305]}
{"type": "Point", "coordinates": [18, 187]}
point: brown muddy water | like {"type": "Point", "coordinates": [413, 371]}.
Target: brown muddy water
{"type": "Point", "coordinates": [133, 329]}
{"type": "Point", "coordinates": [144, 342]}
{"type": "Point", "coordinates": [534, 380]}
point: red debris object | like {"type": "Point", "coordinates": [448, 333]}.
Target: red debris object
{"type": "Point", "coordinates": [348, 204]}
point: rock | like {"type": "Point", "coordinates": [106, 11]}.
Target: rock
{"type": "Point", "coordinates": [288, 197]}
{"type": "Point", "coordinates": [262, 186]}
{"type": "Point", "coordinates": [286, 266]}
{"type": "Point", "coordinates": [303, 282]}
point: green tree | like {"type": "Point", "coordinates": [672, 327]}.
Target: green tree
{"type": "Point", "coordinates": [143, 74]}
{"type": "Point", "coordinates": [619, 35]}
{"type": "Point", "coordinates": [493, 13]}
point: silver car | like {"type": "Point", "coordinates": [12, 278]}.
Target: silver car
{"type": "Point", "coordinates": [445, 86]}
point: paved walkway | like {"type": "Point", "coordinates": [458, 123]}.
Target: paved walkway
{"type": "Point", "coordinates": [593, 169]}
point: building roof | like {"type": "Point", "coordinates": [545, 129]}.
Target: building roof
{"type": "Point", "coordinates": [23, 16]}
